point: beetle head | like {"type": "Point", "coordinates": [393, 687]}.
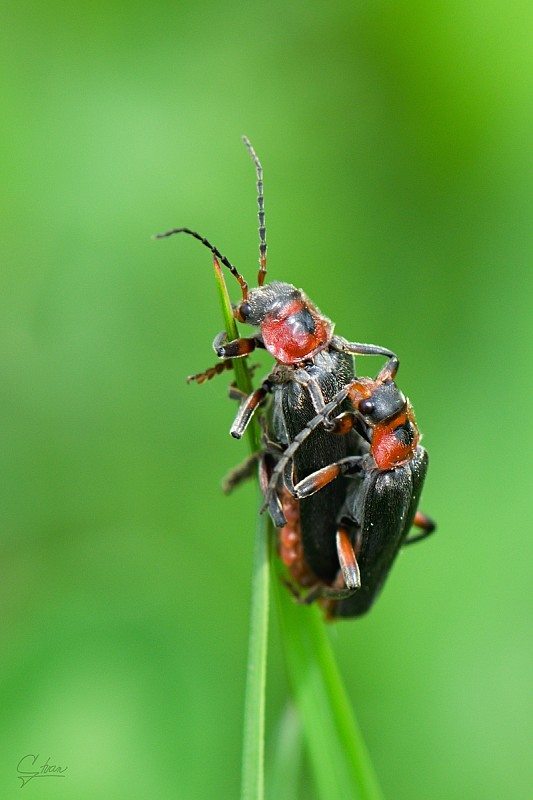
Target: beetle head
{"type": "Point", "coordinates": [384, 402]}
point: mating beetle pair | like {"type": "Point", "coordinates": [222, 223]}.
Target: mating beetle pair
{"type": "Point", "coordinates": [312, 378]}
{"type": "Point", "coordinates": [381, 502]}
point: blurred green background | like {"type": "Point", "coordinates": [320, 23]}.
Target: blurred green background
{"type": "Point", "coordinates": [396, 143]}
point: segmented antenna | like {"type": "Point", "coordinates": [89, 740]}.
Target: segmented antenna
{"type": "Point", "coordinates": [234, 271]}
{"type": "Point", "coordinates": [260, 214]}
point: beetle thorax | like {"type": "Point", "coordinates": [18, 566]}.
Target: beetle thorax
{"type": "Point", "coordinates": [293, 329]}
{"type": "Point", "coordinates": [394, 442]}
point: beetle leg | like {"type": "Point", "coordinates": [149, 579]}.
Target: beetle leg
{"type": "Point", "coordinates": [426, 525]}
{"type": "Point", "coordinates": [347, 421]}
{"type": "Point", "coordinates": [273, 504]}
{"type": "Point", "coordinates": [313, 594]}
{"type": "Point", "coordinates": [293, 590]}
{"type": "Point", "coordinates": [234, 393]}
{"type": "Point", "coordinates": [343, 423]}
{"type": "Point", "coordinates": [317, 480]}
{"type": "Point", "coordinates": [240, 473]}
{"type": "Point", "coordinates": [337, 591]}
{"type": "Point", "coordinates": [305, 600]}
{"type": "Point", "coordinates": [303, 378]}
{"type": "Point", "coordinates": [271, 452]}
{"type": "Point", "coordinates": [388, 371]}
{"type": "Point", "coordinates": [347, 560]}
{"type": "Point", "coordinates": [360, 349]}
{"type": "Point", "coordinates": [236, 348]}
{"type": "Point", "coordinates": [248, 408]}
{"type": "Point", "coordinates": [316, 591]}
{"type": "Point", "coordinates": [281, 466]}
{"type": "Point", "coordinates": [348, 580]}
{"type": "Point", "coordinates": [244, 471]}
{"type": "Point", "coordinates": [340, 424]}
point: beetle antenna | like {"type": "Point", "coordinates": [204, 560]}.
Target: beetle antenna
{"type": "Point", "coordinates": [260, 214]}
{"type": "Point", "coordinates": [234, 271]}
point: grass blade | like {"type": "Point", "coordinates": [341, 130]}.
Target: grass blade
{"type": "Point", "coordinates": [252, 786]}
{"type": "Point", "coordinates": [337, 753]}
{"type": "Point", "coordinates": [285, 766]}
{"type": "Point", "coordinates": [254, 704]}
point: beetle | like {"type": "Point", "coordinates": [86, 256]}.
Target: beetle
{"type": "Point", "coordinates": [381, 504]}
{"type": "Point", "coordinates": [312, 366]}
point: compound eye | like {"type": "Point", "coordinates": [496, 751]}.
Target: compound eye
{"type": "Point", "coordinates": [244, 311]}
{"type": "Point", "coordinates": [366, 407]}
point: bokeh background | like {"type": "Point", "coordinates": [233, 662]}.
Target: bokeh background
{"type": "Point", "coordinates": [396, 143]}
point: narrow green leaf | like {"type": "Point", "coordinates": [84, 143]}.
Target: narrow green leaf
{"type": "Point", "coordinates": [284, 770]}
{"type": "Point", "coordinates": [252, 786]}
{"type": "Point", "coordinates": [337, 753]}
{"type": "Point", "coordinates": [240, 365]}
{"type": "Point", "coordinates": [254, 704]}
